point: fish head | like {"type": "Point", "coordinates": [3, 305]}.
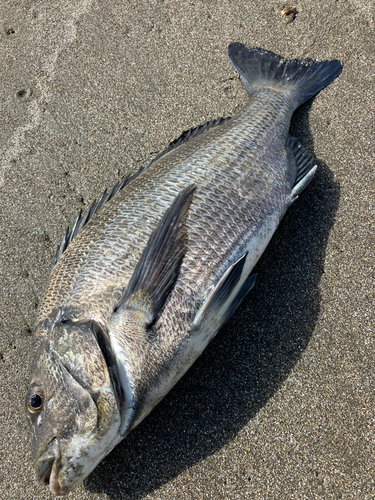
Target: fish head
{"type": "Point", "coordinates": [72, 407]}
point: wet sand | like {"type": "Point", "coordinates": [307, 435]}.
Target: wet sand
{"type": "Point", "coordinates": [281, 404]}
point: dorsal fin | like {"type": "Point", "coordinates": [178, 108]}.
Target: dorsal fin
{"type": "Point", "coordinates": [157, 270]}
{"type": "Point", "coordinates": [190, 134]}
{"type": "Point", "coordinates": [82, 220]}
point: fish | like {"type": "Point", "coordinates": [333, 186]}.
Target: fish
{"type": "Point", "coordinates": [147, 277]}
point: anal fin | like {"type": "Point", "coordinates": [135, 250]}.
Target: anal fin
{"type": "Point", "coordinates": [304, 182]}
{"type": "Point", "coordinates": [305, 166]}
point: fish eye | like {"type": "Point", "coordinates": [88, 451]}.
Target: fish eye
{"type": "Point", "coordinates": [35, 402]}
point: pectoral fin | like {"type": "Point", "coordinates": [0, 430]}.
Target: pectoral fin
{"type": "Point", "coordinates": [157, 270]}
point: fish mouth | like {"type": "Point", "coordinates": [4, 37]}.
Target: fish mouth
{"type": "Point", "coordinates": [46, 469]}
{"type": "Point", "coordinates": [47, 476]}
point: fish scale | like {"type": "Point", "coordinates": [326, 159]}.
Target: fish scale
{"type": "Point", "coordinates": [146, 279]}
{"type": "Point", "coordinates": [108, 231]}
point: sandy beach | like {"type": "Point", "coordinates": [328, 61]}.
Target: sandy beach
{"type": "Point", "coordinates": [281, 403]}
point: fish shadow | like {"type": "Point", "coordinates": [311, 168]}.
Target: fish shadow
{"type": "Point", "coordinates": [248, 360]}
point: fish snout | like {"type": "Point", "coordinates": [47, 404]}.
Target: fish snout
{"type": "Point", "coordinates": [43, 469]}
{"type": "Point", "coordinates": [46, 468]}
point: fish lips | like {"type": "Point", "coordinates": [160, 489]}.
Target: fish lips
{"type": "Point", "coordinates": [47, 469]}
{"type": "Point", "coordinates": [47, 466]}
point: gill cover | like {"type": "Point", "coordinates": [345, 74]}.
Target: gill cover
{"type": "Point", "coordinates": [77, 421]}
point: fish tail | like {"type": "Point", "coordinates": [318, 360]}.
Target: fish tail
{"type": "Point", "coordinates": [302, 78]}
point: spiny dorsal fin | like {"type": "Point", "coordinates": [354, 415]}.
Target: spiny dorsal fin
{"type": "Point", "coordinates": [82, 220]}
{"type": "Point", "coordinates": [157, 270]}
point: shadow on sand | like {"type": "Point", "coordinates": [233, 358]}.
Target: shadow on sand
{"type": "Point", "coordinates": [247, 361]}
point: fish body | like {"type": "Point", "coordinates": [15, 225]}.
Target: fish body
{"type": "Point", "coordinates": [139, 291]}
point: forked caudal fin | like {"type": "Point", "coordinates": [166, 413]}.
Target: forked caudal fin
{"type": "Point", "coordinates": [260, 68]}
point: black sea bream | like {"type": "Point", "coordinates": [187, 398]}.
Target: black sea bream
{"type": "Point", "coordinates": [145, 280]}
